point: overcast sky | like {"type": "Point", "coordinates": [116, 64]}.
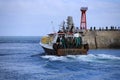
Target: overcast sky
{"type": "Point", "coordinates": [34, 17]}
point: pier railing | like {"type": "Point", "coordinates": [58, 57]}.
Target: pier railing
{"type": "Point", "coordinates": [112, 28]}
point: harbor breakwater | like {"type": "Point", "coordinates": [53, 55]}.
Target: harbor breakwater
{"type": "Point", "coordinates": [102, 39]}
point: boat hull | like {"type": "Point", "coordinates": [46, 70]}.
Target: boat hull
{"type": "Point", "coordinates": [75, 51]}
{"type": "Point", "coordinates": [64, 52]}
{"type": "Point", "coordinates": [49, 51]}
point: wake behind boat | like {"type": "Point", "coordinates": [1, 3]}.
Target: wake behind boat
{"type": "Point", "coordinates": [67, 41]}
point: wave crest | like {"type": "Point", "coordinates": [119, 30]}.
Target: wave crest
{"type": "Point", "coordinates": [89, 57]}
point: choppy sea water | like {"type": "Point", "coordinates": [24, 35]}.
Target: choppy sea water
{"type": "Point", "coordinates": [21, 59]}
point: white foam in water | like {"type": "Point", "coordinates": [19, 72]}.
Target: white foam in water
{"type": "Point", "coordinates": [54, 58]}
{"type": "Point", "coordinates": [89, 57]}
{"type": "Point", "coordinates": [105, 56]}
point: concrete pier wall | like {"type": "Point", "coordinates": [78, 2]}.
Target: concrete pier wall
{"type": "Point", "coordinates": [102, 39]}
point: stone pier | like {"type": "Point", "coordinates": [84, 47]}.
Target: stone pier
{"type": "Point", "coordinates": [102, 39]}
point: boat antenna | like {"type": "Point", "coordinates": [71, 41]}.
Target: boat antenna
{"type": "Point", "coordinates": [53, 28]}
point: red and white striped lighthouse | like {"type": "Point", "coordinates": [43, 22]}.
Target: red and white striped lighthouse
{"type": "Point", "coordinates": [83, 24]}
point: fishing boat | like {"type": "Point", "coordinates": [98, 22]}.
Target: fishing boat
{"type": "Point", "coordinates": [67, 41]}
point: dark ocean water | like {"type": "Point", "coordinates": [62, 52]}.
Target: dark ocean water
{"type": "Point", "coordinates": [21, 59]}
